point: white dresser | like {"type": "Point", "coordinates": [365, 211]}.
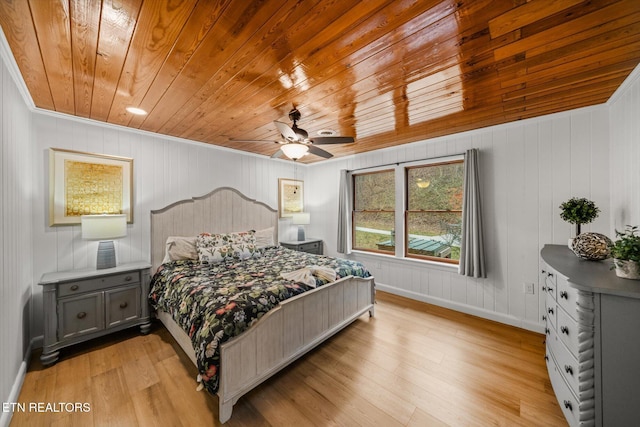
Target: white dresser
{"type": "Point", "coordinates": [593, 339]}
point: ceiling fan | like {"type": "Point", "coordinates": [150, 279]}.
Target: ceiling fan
{"type": "Point", "coordinates": [296, 142]}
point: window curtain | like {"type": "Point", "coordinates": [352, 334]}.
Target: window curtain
{"type": "Point", "coordinates": [472, 259]}
{"type": "Point", "coordinates": [344, 213]}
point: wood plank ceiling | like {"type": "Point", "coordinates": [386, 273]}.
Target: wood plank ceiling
{"type": "Point", "coordinates": [385, 72]}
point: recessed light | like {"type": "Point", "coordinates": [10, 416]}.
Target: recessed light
{"type": "Point", "coordinates": [136, 111]}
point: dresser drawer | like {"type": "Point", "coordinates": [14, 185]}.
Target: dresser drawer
{"type": "Point", "coordinates": [567, 297]}
{"type": "Point", "coordinates": [568, 331]}
{"type": "Point", "coordinates": [566, 399]}
{"type": "Point", "coordinates": [550, 282]}
{"type": "Point", "coordinates": [551, 311]}
{"type": "Point", "coordinates": [566, 363]}
{"type": "Point", "coordinates": [122, 305]}
{"type": "Point", "coordinates": [97, 283]}
{"type": "Point", "coordinates": [80, 315]}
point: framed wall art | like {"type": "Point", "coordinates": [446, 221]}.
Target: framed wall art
{"type": "Point", "coordinates": [290, 197]}
{"type": "Point", "coordinates": [86, 184]}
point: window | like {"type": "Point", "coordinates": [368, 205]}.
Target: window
{"type": "Point", "coordinates": [433, 217]}
{"type": "Point", "coordinates": [374, 211]}
{"type": "Point", "coordinates": [427, 226]}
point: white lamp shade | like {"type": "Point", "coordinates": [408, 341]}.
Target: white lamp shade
{"type": "Point", "coordinates": [302, 218]}
{"type": "Point", "coordinates": [294, 150]}
{"type": "Point", "coordinates": [103, 227]}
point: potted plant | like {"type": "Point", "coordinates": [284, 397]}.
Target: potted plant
{"type": "Point", "coordinates": [579, 211]}
{"type": "Point", "coordinates": [626, 253]}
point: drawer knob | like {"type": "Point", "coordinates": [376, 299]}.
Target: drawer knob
{"type": "Point", "coordinates": [81, 315]}
{"type": "Point", "coordinates": [544, 317]}
{"type": "Point", "coordinates": [123, 304]}
{"type": "Point", "coordinates": [567, 405]}
{"type": "Point", "coordinates": [568, 369]}
{"type": "Point", "coordinates": [550, 274]}
{"type": "Point", "coordinates": [564, 330]}
{"type": "Point", "coordinates": [550, 310]}
{"type": "Point", "coordinates": [564, 295]}
{"type": "Point", "coordinates": [546, 357]}
{"type": "Point", "coordinates": [546, 331]}
{"type": "Point", "coordinates": [549, 288]}
{"type": "Point", "coordinates": [74, 287]}
{"type": "Point", "coordinates": [128, 279]}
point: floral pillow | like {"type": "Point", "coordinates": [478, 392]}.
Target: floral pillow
{"type": "Point", "coordinates": [209, 251]}
{"type": "Point", "coordinates": [221, 239]}
{"type": "Point", "coordinates": [222, 253]}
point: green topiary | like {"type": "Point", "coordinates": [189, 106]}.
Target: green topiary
{"type": "Point", "coordinates": [579, 211]}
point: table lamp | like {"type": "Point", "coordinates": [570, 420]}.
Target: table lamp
{"type": "Point", "coordinates": [104, 228]}
{"type": "Point", "coordinates": [301, 219]}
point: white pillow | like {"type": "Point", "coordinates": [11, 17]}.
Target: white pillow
{"type": "Point", "coordinates": [264, 238]}
{"type": "Point", "coordinates": [179, 248]}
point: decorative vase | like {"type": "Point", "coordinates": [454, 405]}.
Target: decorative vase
{"type": "Point", "coordinates": [591, 246]}
{"type": "Point", "coordinates": [627, 269]}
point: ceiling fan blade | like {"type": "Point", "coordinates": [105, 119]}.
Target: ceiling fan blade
{"type": "Point", "coordinates": [256, 140]}
{"type": "Point", "coordinates": [286, 131]}
{"type": "Point", "coordinates": [277, 154]}
{"type": "Point", "coordinates": [324, 140]}
{"type": "Point", "coordinates": [320, 152]}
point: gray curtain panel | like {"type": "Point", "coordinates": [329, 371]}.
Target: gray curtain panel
{"type": "Point", "coordinates": [344, 213]}
{"type": "Point", "coordinates": [472, 258]}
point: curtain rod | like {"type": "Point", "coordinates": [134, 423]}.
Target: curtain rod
{"type": "Point", "coordinates": [408, 161]}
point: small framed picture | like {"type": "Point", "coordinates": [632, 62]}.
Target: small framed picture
{"type": "Point", "coordinates": [86, 184]}
{"type": "Point", "coordinates": [290, 197]}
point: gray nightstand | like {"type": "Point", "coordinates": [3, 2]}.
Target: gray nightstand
{"type": "Point", "coordinates": [83, 304]}
{"type": "Point", "coordinates": [312, 246]}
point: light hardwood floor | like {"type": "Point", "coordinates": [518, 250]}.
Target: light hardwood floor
{"type": "Point", "coordinates": [414, 364]}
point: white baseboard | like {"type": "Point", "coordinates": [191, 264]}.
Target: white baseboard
{"type": "Point", "coordinates": [5, 417]}
{"type": "Point", "coordinates": [475, 311]}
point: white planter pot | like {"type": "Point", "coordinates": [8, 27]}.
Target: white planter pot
{"type": "Point", "coordinates": [627, 269]}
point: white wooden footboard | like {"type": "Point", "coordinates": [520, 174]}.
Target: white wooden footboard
{"type": "Point", "coordinates": [287, 332]}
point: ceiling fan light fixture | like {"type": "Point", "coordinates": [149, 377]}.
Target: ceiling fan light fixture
{"type": "Point", "coordinates": [294, 150]}
{"type": "Point", "coordinates": [327, 132]}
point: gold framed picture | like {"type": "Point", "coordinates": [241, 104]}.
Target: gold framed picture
{"type": "Point", "coordinates": [86, 184]}
{"type": "Point", "coordinates": [290, 197]}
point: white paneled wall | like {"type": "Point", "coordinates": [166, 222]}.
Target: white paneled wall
{"type": "Point", "coordinates": [625, 153]}
{"type": "Point", "coordinates": [165, 171]}
{"type": "Point", "coordinates": [16, 187]}
{"type": "Point", "coordinates": [528, 169]}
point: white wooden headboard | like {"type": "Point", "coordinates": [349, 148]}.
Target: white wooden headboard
{"type": "Point", "coordinates": [223, 210]}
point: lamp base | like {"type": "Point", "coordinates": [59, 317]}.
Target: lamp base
{"type": "Point", "coordinates": [106, 255]}
{"type": "Point", "coordinates": [301, 233]}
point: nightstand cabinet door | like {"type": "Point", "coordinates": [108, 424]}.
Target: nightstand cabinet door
{"type": "Point", "coordinates": [80, 315]}
{"type": "Point", "coordinates": [123, 305]}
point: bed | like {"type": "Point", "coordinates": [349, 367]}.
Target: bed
{"type": "Point", "coordinates": [302, 315]}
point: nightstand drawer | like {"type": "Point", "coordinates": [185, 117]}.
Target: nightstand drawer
{"type": "Point", "coordinates": [123, 305]}
{"type": "Point", "coordinates": [80, 315]}
{"type": "Point", "coordinates": [312, 248]}
{"type": "Point", "coordinates": [98, 283]}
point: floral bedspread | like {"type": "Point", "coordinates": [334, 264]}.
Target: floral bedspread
{"type": "Point", "coordinates": [215, 302]}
